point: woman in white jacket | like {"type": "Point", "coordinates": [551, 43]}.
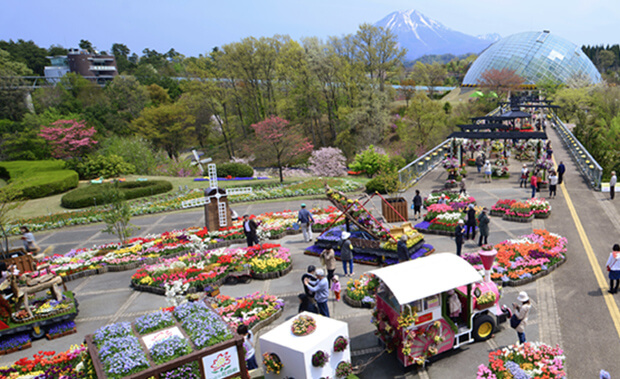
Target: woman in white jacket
{"type": "Point", "coordinates": [613, 266]}
{"type": "Point", "coordinates": [521, 311]}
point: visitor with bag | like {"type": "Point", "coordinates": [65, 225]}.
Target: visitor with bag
{"type": "Point", "coordinates": [613, 266]}
{"type": "Point", "coordinates": [30, 244]}
{"type": "Point", "coordinates": [518, 321]}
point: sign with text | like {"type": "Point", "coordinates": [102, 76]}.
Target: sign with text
{"type": "Point", "coordinates": [153, 338]}
{"type": "Point", "coordinates": [222, 364]}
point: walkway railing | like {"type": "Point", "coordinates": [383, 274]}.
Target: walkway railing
{"type": "Point", "coordinates": [415, 170]}
{"type": "Point", "coordinates": [588, 166]}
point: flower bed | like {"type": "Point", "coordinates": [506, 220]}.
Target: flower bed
{"type": "Point", "coordinates": [522, 260]}
{"type": "Point", "coordinates": [529, 360]}
{"type": "Point", "coordinates": [121, 353]}
{"type": "Point", "coordinates": [371, 259]}
{"type": "Point", "coordinates": [14, 343]}
{"type": "Point", "coordinates": [141, 250]}
{"type": "Point", "coordinates": [170, 202]}
{"type": "Point", "coordinates": [252, 310]}
{"type": "Point", "coordinates": [451, 199]}
{"type": "Point", "coordinates": [198, 270]}
{"type": "Point", "coordinates": [360, 292]}
{"type": "Point", "coordinates": [60, 330]}
{"type": "Point", "coordinates": [73, 363]}
{"type": "Point", "coordinates": [512, 210]}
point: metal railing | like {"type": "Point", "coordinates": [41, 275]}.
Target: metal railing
{"type": "Point", "coordinates": [588, 166]}
{"type": "Point", "coordinates": [414, 171]}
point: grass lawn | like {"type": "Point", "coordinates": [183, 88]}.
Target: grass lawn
{"type": "Point", "coordinates": [51, 204]}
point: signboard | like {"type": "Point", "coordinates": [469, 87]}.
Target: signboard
{"type": "Point", "coordinates": [222, 364]}
{"type": "Point", "coordinates": [153, 338]}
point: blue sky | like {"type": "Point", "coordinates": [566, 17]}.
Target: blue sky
{"type": "Point", "coordinates": [194, 27]}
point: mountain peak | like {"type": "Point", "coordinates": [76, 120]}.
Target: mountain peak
{"type": "Point", "coordinates": [422, 35]}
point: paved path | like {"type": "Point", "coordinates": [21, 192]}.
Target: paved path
{"type": "Point", "coordinates": [570, 306]}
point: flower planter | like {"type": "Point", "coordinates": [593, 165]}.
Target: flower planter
{"type": "Point", "coordinates": [497, 213]}
{"type": "Point", "coordinates": [59, 335]}
{"type": "Point", "coordinates": [518, 219]}
{"type": "Point", "coordinates": [400, 207]}
{"type": "Point", "coordinates": [484, 306]}
{"type": "Point", "coordinates": [25, 346]}
{"type": "Point", "coordinates": [542, 215]}
{"type": "Point", "coordinates": [354, 303]}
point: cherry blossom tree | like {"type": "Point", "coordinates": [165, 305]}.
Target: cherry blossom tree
{"type": "Point", "coordinates": [328, 161]}
{"type": "Point", "coordinates": [68, 138]}
{"type": "Point", "coordinates": [275, 138]}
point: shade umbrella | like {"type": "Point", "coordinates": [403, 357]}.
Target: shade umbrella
{"type": "Point", "coordinates": [477, 94]}
{"type": "Point", "coordinates": [492, 94]}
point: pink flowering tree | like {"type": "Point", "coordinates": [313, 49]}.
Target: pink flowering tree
{"type": "Point", "coordinates": [275, 138]}
{"type": "Point", "coordinates": [328, 161]}
{"type": "Point", "coordinates": [68, 138]}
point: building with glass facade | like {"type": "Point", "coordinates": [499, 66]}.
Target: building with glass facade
{"type": "Point", "coordinates": [535, 56]}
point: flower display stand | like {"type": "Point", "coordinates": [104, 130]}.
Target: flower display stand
{"type": "Point", "coordinates": [59, 335]}
{"type": "Point", "coordinates": [295, 352]}
{"type": "Point", "coordinates": [398, 204]}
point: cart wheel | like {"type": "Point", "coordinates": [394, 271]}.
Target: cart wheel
{"type": "Point", "coordinates": [483, 327]}
{"type": "Point", "coordinates": [37, 332]}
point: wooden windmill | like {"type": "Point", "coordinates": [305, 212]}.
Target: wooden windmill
{"type": "Point", "coordinates": [215, 201]}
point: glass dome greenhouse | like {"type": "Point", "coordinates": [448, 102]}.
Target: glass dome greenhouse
{"type": "Point", "coordinates": [535, 56]}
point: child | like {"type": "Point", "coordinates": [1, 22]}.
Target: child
{"type": "Point", "coordinates": [248, 345]}
{"type": "Point", "coordinates": [336, 287]}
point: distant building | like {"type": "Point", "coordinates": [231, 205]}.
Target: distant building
{"type": "Point", "coordinates": [99, 68]}
{"type": "Point", "coordinates": [535, 56]}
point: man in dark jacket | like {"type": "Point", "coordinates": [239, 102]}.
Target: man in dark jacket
{"type": "Point", "coordinates": [417, 205]}
{"type": "Point", "coordinates": [483, 224]}
{"type": "Point", "coordinates": [471, 222]}
{"type": "Point", "coordinates": [249, 228]}
{"type": "Point", "coordinates": [309, 274]}
{"type": "Point", "coordinates": [346, 253]}
{"type": "Point", "coordinates": [458, 237]}
{"type": "Point", "coordinates": [401, 249]}
{"type": "Point", "coordinates": [561, 171]}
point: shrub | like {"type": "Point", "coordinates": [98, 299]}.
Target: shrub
{"type": "Point", "coordinates": [369, 161]}
{"type": "Point", "coordinates": [38, 179]}
{"type": "Point", "coordinates": [385, 182]}
{"type": "Point", "coordinates": [95, 194]}
{"type": "Point", "coordinates": [107, 166]}
{"type": "Point", "coordinates": [236, 170]}
{"type": "Point", "coordinates": [328, 161]}
{"type": "Point", "coordinates": [134, 150]}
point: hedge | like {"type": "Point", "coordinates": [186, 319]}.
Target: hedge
{"type": "Point", "coordinates": [93, 194]}
{"type": "Point", "coordinates": [40, 178]}
{"type": "Point", "coordinates": [235, 170]}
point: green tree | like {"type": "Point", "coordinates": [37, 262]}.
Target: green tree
{"type": "Point", "coordinates": [12, 89]}
{"type": "Point", "coordinates": [158, 95]}
{"type": "Point", "coordinates": [369, 161]}
{"type": "Point", "coordinates": [9, 202]}
{"type": "Point", "coordinates": [369, 119]}
{"type": "Point", "coordinates": [127, 98]}
{"type": "Point", "coordinates": [168, 126]}
{"type": "Point", "coordinates": [28, 53]}
{"type": "Point", "coordinates": [118, 216]}
{"type": "Point", "coordinates": [121, 55]}
{"type": "Point", "coordinates": [86, 45]}
{"type": "Point", "coordinates": [426, 125]}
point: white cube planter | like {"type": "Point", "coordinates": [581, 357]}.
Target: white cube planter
{"type": "Point", "coordinates": [296, 352]}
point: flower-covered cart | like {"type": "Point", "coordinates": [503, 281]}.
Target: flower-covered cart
{"type": "Point", "coordinates": [434, 304]}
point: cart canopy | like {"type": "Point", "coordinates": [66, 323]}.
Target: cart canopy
{"type": "Point", "coordinates": [423, 277]}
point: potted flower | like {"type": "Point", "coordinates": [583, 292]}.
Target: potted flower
{"type": "Point", "coordinates": [272, 363]}
{"type": "Point", "coordinates": [340, 344]}
{"type": "Point", "coordinates": [344, 369]}
{"type": "Point", "coordinates": [303, 325]}
{"type": "Point", "coordinates": [320, 358]}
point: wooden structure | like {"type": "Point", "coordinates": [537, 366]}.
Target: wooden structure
{"type": "Point", "coordinates": [217, 213]}
{"type": "Point", "coordinates": [33, 286]}
{"type": "Point", "coordinates": [21, 259]}
{"type": "Point", "coordinates": [231, 350]}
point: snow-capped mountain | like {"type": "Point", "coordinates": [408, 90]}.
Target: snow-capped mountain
{"type": "Point", "coordinates": [422, 35]}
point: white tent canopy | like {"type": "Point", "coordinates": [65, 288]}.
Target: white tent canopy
{"type": "Point", "coordinates": [423, 277]}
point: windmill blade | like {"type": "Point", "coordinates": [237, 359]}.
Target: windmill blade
{"type": "Point", "coordinates": [212, 175]}
{"type": "Point", "coordinates": [195, 202]}
{"type": "Point", "coordinates": [221, 212]}
{"type": "Point", "coordinates": [238, 191]}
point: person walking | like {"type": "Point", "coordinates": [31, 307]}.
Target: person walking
{"type": "Point", "coordinates": [458, 237]}
{"type": "Point", "coordinates": [561, 171]}
{"type": "Point", "coordinates": [305, 219]}
{"type": "Point", "coordinates": [524, 175]}
{"type": "Point", "coordinates": [249, 228]}
{"type": "Point", "coordinates": [402, 250]}
{"type": "Point", "coordinates": [549, 150]}
{"type": "Point", "coordinates": [487, 172]}
{"type": "Point", "coordinates": [533, 184]}
{"type": "Point", "coordinates": [483, 226]}
{"type": "Point", "coordinates": [30, 244]}
{"type": "Point", "coordinates": [612, 185]}
{"type": "Point", "coordinates": [613, 266]}
{"type": "Point", "coordinates": [346, 253]}
{"type": "Point", "coordinates": [463, 187]}
{"type": "Point", "coordinates": [553, 184]}
{"type": "Point", "coordinates": [479, 163]}
{"type": "Point", "coordinates": [470, 224]}
{"type": "Point", "coordinates": [417, 205]}
{"type": "Point", "coordinates": [320, 287]}
{"type": "Point", "coordinates": [521, 312]}
{"type": "Point", "coordinates": [248, 346]}
{"type": "Point", "coordinates": [328, 258]}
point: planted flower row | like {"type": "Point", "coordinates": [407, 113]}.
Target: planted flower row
{"type": "Point", "coordinates": [170, 202]}
{"type": "Point", "coordinates": [73, 363]}
{"type": "Point", "coordinates": [249, 310]}
{"type": "Point", "coordinates": [529, 360]}
{"type": "Point", "coordinates": [511, 209]}
{"type": "Point", "coordinates": [201, 269]}
{"type": "Point", "coordinates": [167, 244]}
{"type": "Point", "coordinates": [519, 260]}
